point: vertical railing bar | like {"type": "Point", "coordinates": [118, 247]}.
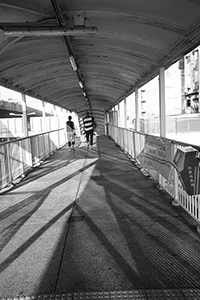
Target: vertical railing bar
{"type": "Point", "coordinates": [9, 162]}
{"type": "Point", "coordinates": [21, 156]}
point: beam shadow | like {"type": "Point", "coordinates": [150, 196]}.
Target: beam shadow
{"type": "Point", "coordinates": [32, 239]}
{"type": "Point", "coordinates": [8, 232]}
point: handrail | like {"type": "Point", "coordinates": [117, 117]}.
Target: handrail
{"type": "Point", "coordinates": [133, 142]}
{"type": "Point", "coordinates": [20, 155]}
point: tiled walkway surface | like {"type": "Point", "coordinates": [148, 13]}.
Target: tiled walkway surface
{"type": "Point", "coordinates": [90, 225]}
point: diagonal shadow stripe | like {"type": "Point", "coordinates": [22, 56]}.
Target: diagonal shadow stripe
{"type": "Point", "coordinates": [128, 271]}
{"type": "Point", "coordinates": [32, 239]}
{"type": "Point", "coordinates": [9, 211]}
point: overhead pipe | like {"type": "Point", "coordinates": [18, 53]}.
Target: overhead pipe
{"type": "Point", "coordinates": [74, 64]}
{"type": "Point", "coordinates": [48, 31]}
{"type": "Point", "coordinates": [62, 23]}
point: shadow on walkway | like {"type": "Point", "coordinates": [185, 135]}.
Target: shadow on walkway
{"type": "Point", "coordinates": [95, 224]}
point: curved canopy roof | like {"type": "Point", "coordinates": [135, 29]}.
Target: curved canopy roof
{"type": "Point", "coordinates": [114, 47]}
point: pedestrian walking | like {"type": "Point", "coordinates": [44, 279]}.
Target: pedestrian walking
{"type": "Point", "coordinates": [70, 129]}
{"type": "Point", "coordinates": [89, 126]}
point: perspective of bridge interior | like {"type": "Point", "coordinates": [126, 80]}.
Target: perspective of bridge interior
{"type": "Point", "coordinates": [89, 55]}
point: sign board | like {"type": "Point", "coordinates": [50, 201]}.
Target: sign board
{"type": "Point", "coordinates": [186, 162]}
{"type": "Point", "coordinates": [156, 155]}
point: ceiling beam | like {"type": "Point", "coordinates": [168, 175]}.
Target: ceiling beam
{"type": "Point", "coordinates": [130, 18]}
{"type": "Point", "coordinates": [30, 7]}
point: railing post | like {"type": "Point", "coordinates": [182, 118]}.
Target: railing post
{"type": "Point", "coordinates": [9, 163]}
{"type": "Point", "coordinates": [21, 156]}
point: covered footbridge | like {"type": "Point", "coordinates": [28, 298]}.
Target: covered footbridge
{"type": "Point", "coordinates": [118, 221]}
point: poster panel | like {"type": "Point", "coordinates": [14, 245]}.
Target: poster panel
{"type": "Point", "coordinates": [156, 155]}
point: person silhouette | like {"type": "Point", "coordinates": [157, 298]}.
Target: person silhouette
{"type": "Point", "coordinates": [89, 126]}
{"type": "Point", "coordinates": [70, 129]}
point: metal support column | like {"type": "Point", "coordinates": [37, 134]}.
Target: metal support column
{"type": "Point", "coordinates": [125, 113]}
{"type": "Point", "coordinates": [113, 116]}
{"type": "Point", "coordinates": [43, 117]}
{"type": "Point", "coordinates": [118, 116]}
{"type": "Point", "coordinates": [54, 110]}
{"type": "Point", "coordinates": [137, 111]}
{"type": "Point", "coordinates": [182, 70]}
{"type": "Point", "coordinates": [109, 117]}
{"type": "Point", "coordinates": [199, 76]}
{"type": "Point", "coordinates": [162, 102]}
{"type": "Point", "coordinates": [24, 116]}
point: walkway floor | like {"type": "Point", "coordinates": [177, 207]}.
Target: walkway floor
{"type": "Point", "coordinates": [90, 225]}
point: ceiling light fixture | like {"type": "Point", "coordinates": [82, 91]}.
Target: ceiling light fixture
{"type": "Point", "coordinates": [81, 84]}
{"type": "Point", "coordinates": [84, 94]}
{"type": "Point", "coordinates": [15, 114]}
{"type": "Point", "coordinates": [73, 63]}
{"type": "Point", "coordinates": [20, 114]}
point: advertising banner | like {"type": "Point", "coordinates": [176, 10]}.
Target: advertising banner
{"type": "Point", "coordinates": [156, 155]}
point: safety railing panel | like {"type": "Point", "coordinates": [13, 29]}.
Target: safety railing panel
{"type": "Point", "coordinates": [25, 151]}
{"type": "Point", "coordinates": [4, 165]}
{"type": "Point", "coordinates": [18, 156]}
{"type": "Point", "coordinates": [15, 161]}
{"type": "Point", "coordinates": [133, 143]}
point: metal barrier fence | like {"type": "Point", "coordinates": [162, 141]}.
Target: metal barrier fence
{"type": "Point", "coordinates": [182, 123]}
{"type": "Point", "coordinates": [132, 143]}
{"type": "Point", "coordinates": [20, 155]}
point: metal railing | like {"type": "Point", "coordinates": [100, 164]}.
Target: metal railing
{"type": "Point", "coordinates": [132, 143]}
{"type": "Point", "coordinates": [20, 155]}
{"type": "Point", "coordinates": [179, 124]}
